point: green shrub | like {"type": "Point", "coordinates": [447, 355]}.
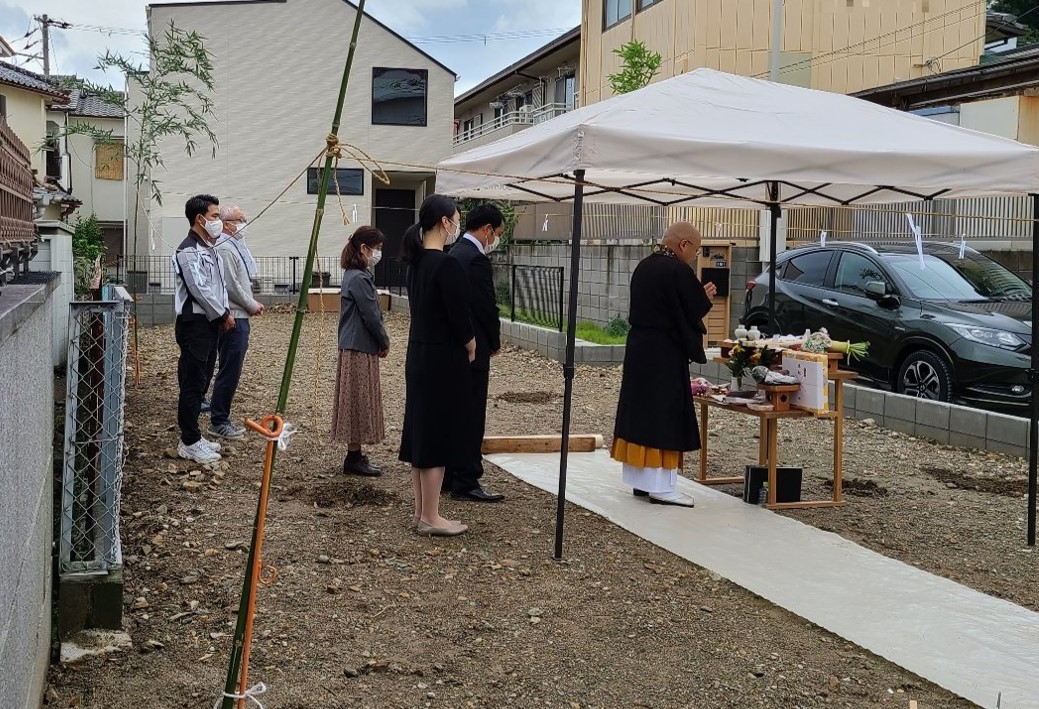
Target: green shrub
{"type": "Point", "coordinates": [88, 248]}
{"type": "Point", "coordinates": [503, 293]}
{"type": "Point", "coordinates": [617, 327]}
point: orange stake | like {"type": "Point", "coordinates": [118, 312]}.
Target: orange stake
{"type": "Point", "coordinates": [271, 434]}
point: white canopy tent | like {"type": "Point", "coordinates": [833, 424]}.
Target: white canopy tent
{"type": "Point", "coordinates": [708, 138]}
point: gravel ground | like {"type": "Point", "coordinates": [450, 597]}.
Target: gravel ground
{"type": "Point", "coordinates": [363, 613]}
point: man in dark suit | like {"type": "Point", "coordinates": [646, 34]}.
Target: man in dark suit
{"type": "Point", "coordinates": [483, 229]}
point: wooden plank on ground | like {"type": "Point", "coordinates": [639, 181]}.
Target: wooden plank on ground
{"type": "Point", "coordinates": [579, 443]}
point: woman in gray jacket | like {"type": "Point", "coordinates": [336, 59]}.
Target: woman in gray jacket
{"type": "Point", "coordinates": [357, 417]}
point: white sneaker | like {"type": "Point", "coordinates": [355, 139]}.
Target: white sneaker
{"type": "Point", "coordinates": [212, 445]}
{"type": "Point", "coordinates": [198, 452]}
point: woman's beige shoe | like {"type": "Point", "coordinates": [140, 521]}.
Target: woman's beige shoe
{"type": "Point", "coordinates": [452, 530]}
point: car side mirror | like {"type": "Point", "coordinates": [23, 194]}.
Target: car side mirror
{"type": "Point", "coordinates": [889, 302]}
{"type": "Point", "coordinates": [876, 289]}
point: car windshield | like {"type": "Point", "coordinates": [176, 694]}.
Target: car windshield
{"type": "Point", "coordinates": [946, 277]}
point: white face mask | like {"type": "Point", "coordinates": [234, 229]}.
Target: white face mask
{"type": "Point", "coordinates": [374, 257]}
{"type": "Point", "coordinates": [240, 233]}
{"type": "Point", "coordinates": [214, 228]}
{"type": "Point", "coordinates": [452, 237]}
{"type": "Point", "coordinates": [493, 246]}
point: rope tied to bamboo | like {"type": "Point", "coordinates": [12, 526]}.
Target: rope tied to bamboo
{"type": "Point", "coordinates": [250, 694]}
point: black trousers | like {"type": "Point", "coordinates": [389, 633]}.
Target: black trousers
{"type": "Point", "coordinates": [464, 478]}
{"type": "Point", "coordinates": [197, 339]}
{"type": "Point", "coordinates": [231, 347]}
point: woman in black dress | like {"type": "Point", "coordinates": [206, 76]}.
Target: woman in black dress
{"type": "Point", "coordinates": [440, 347]}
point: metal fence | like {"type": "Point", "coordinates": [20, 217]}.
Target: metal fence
{"type": "Point", "coordinates": [94, 406]}
{"type": "Point", "coordinates": [536, 295]}
{"type": "Point", "coordinates": [274, 274]}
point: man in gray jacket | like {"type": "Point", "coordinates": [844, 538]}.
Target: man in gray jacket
{"type": "Point", "coordinates": [238, 268]}
{"type": "Point", "coordinates": [202, 314]}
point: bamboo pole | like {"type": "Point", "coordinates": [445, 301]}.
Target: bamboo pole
{"type": "Point", "coordinates": [249, 586]}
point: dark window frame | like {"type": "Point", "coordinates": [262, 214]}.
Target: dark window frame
{"type": "Point", "coordinates": [641, 5]}
{"type": "Point", "coordinates": [858, 293]}
{"type": "Point", "coordinates": [314, 174]}
{"type": "Point", "coordinates": [606, 24]}
{"type": "Point", "coordinates": [425, 96]}
{"type": "Point", "coordinates": [826, 271]}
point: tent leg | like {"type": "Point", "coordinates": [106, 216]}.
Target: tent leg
{"type": "Point", "coordinates": [568, 365]}
{"type": "Point", "coordinates": [774, 212]}
{"type": "Point", "coordinates": [1033, 378]}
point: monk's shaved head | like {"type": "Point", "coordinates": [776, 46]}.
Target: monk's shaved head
{"type": "Point", "coordinates": [679, 232]}
{"type": "Point", "coordinates": [684, 239]}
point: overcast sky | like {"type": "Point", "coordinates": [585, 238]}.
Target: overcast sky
{"type": "Point", "coordinates": [75, 51]}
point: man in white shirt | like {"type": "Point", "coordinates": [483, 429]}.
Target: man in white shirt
{"type": "Point", "coordinates": [238, 268]}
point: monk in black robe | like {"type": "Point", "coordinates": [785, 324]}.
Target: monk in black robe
{"type": "Point", "coordinates": [656, 419]}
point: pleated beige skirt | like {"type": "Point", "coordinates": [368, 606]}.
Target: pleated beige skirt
{"type": "Point", "coordinates": [357, 416]}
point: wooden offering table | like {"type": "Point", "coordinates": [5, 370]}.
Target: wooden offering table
{"type": "Point", "coordinates": [768, 422]}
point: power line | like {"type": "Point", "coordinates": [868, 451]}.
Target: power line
{"type": "Point", "coordinates": [514, 35]}
{"type": "Point", "coordinates": [841, 53]}
{"type": "Point", "coordinates": [1019, 18]}
{"type": "Point", "coordinates": [491, 37]}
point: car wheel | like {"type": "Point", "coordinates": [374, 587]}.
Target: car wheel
{"type": "Point", "coordinates": [925, 375]}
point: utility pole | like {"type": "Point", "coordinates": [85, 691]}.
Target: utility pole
{"type": "Point", "coordinates": [45, 27]}
{"type": "Point", "coordinates": [777, 40]}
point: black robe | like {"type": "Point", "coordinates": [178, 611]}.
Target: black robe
{"type": "Point", "coordinates": [668, 304]}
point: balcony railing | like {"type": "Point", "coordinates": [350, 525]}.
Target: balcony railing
{"type": "Point", "coordinates": [514, 118]}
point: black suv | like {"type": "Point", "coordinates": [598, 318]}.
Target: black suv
{"type": "Point", "coordinates": [955, 328]}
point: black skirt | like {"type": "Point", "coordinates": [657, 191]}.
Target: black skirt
{"type": "Point", "coordinates": [437, 407]}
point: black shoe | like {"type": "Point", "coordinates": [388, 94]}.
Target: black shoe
{"type": "Point", "coordinates": [477, 494]}
{"type": "Point", "coordinates": [640, 493]}
{"type": "Point", "coordinates": [361, 467]}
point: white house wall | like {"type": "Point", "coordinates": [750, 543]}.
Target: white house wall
{"type": "Point", "coordinates": [277, 71]}
{"type": "Point", "coordinates": [27, 117]}
{"type": "Point", "coordinates": [101, 197]}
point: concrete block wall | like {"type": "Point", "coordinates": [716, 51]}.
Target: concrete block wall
{"type": "Point", "coordinates": [55, 256]}
{"type": "Point", "coordinates": [26, 475]}
{"type": "Point", "coordinates": [606, 274]}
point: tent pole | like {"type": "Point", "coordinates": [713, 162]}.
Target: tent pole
{"type": "Point", "coordinates": [568, 366]}
{"type": "Point", "coordinates": [1033, 379]}
{"type": "Point", "coordinates": [774, 214]}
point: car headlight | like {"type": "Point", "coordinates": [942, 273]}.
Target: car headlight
{"type": "Point", "coordinates": [987, 336]}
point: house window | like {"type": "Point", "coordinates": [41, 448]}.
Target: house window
{"type": "Point", "coordinates": [108, 161]}
{"type": "Point", "coordinates": [3, 107]}
{"type": "Point", "coordinates": [468, 127]}
{"type": "Point", "coordinates": [399, 96]}
{"type": "Point", "coordinates": [499, 111]}
{"type": "Point", "coordinates": [643, 4]}
{"type": "Point", "coordinates": [351, 181]}
{"type": "Point", "coordinates": [614, 12]}
{"type": "Point", "coordinates": [566, 88]}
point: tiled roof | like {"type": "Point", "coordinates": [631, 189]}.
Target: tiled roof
{"type": "Point", "coordinates": [29, 80]}
{"type": "Point", "coordinates": [81, 103]}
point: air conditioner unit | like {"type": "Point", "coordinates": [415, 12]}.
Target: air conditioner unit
{"type": "Point", "coordinates": [497, 104]}
{"type": "Point", "coordinates": [565, 71]}
{"type": "Point", "coordinates": [525, 108]}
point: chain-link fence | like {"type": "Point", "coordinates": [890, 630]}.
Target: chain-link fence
{"type": "Point", "coordinates": [94, 433]}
